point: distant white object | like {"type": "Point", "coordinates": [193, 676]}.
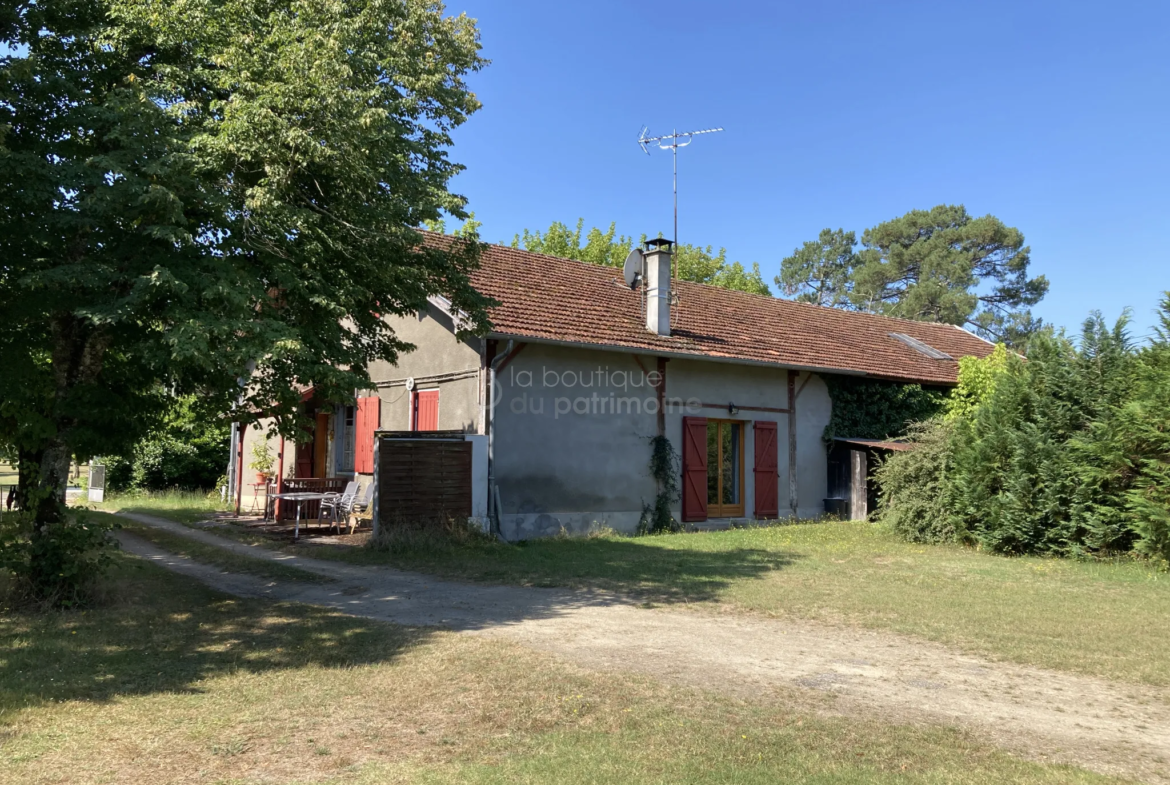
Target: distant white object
{"type": "Point", "coordinates": [410, 383]}
{"type": "Point", "coordinates": [97, 483]}
{"type": "Point", "coordinates": [632, 271]}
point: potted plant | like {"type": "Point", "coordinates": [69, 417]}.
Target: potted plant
{"type": "Point", "coordinates": [262, 460]}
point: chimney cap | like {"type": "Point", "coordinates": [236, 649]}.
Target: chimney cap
{"type": "Point", "coordinates": [658, 243]}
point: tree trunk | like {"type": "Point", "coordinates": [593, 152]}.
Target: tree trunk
{"type": "Point", "coordinates": [78, 351]}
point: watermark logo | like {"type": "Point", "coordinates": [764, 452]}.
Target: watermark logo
{"type": "Point", "coordinates": [592, 392]}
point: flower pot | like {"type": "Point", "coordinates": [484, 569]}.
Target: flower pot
{"type": "Point", "coordinates": [261, 477]}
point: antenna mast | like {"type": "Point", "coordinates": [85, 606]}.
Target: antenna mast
{"type": "Point", "coordinates": [672, 142]}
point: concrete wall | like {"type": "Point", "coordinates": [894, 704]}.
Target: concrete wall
{"type": "Point", "coordinates": [439, 356]}
{"type": "Point", "coordinates": [572, 441]}
{"type": "Point", "coordinates": [573, 429]}
{"type": "Point", "coordinates": [748, 386]}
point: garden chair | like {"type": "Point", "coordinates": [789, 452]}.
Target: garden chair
{"type": "Point", "coordinates": [334, 502]}
{"type": "Point", "coordinates": [360, 504]}
{"type": "Point", "coordinates": [351, 507]}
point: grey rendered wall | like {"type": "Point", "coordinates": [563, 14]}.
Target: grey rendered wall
{"type": "Point", "coordinates": [572, 451]}
{"type": "Point", "coordinates": [569, 456]}
{"type": "Point", "coordinates": [437, 356]}
{"type": "Point", "coordinates": [745, 386]}
{"type": "Point", "coordinates": [258, 432]}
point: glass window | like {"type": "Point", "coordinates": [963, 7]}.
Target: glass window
{"type": "Point", "coordinates": [724, 468]}
{"type": "Point", "coordinates": [344, 437]}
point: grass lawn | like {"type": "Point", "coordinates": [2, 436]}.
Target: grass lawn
{"type": "Point", "coordinates": [209, 554]}
{"type": "Point", "coordinates": [169, 681]}
{"type": "Point", "coordinates": [180, 506]}
{"type": "Point", "coordinates": [1104, 619]}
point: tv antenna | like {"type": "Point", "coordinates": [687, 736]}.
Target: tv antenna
{"type": "Point", "coordinates": [672, 142]}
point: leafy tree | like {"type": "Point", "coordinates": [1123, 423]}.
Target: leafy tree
{"type": "Point", "coordinates": [938, 265]}
{"type": "Point", "coordinates": [607, 248]}
{"type": "Point", "coordinates": [188, 450]}
{"type": "Point", "coordinates": [821, 271]}
{"type": "Point", "coordinates": [192, 194]}
{"type": "Point", "coordinates": [1065, 453]}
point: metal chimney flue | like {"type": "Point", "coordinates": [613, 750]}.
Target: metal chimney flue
{"type": "Point", "coordinates": [657, 256]}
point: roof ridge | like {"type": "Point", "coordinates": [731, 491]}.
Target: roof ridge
{"type": "Point", "coordinates": [576, 301]}
{"type": "Point", "coordinates": [713, 287]}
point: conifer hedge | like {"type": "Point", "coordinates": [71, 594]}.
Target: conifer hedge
{"type": "Point", "coordinates": [1064, 452]}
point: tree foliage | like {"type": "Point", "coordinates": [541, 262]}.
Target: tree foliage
{"type": "Point", "coordinates": [188, 450]}
{"type": "Point", "coordinates": [197, 193]}
{"type": "Point", "coordinates": [819, 272]}
{"type": "Point", "coordinates": [609, 249]}
{"type": "Point", "coordinates": [938, 265]}
{"type": "Point", "coordinates": [1064, 453]}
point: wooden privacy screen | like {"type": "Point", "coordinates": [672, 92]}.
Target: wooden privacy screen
{"type": "Point", "coordinates": [423, 480]}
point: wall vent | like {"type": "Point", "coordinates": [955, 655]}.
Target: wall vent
{"type": "Point", "coordinates": [921, 347]}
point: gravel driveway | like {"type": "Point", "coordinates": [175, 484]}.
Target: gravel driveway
{"type": "Point", "coordinates": [1109, 727]}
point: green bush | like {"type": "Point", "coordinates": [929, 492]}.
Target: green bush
{"type": "Point", "coordinates": [1065, 453]}
{"type": "Point", "coordinates": [58, 563]}
{"type": "Point", "coordinates": [188, 452]}
{"type": "Point", "coordinates": [913, 485]}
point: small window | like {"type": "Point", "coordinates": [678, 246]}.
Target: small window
{"type": "Point", "coordinates": [724, 468]}
{"type": "Point", "coordinates": [345, 440]}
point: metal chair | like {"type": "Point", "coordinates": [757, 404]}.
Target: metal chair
{"type": "Point", "coordinates": [336, 502]}
{"type": "Point", "coordinates": [350, 507]}
{"type": "Point", "coordinates": [360, 505]}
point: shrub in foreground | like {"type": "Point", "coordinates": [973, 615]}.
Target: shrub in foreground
{"type": "Point", "coordinates": [57, 563]}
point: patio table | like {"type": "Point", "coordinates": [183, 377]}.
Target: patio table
{"type": "Point", "coordinates": [299, 497]}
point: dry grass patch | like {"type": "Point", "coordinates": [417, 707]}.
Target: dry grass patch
{"type": "Point", "coordinates": [175, 683]}
{"type": "Point", "coordinates": [1107, 619]}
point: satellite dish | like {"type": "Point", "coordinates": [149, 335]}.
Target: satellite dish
{"type": "Point", "coordinates": [632, 271]}
{"type": "Point", "coordinates": [410, 384]}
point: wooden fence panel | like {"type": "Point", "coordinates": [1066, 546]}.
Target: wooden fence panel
{"type": "Point", "coordinates": [423, 480]}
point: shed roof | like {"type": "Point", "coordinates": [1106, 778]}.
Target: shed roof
{"type": "Point", "coordinates": [877, 444]}
{"type": "Point", "coordinates": [550, 299]}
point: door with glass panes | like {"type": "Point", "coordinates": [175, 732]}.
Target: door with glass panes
{"type": "Point", "coordinates": [725, 468]}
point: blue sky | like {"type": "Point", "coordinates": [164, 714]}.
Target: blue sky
{"type": "Point", "coordinates": [1053, 116]}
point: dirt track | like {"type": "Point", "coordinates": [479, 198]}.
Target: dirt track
{"type": "Point", "coordinates": [1046, 715]}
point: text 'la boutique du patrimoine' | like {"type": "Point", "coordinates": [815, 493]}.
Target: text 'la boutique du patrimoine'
{"type": "Point", "coordinates": [608, 393]}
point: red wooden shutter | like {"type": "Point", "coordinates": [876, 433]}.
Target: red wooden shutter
{"type": "Point", "coordinates": [694, 455]}
{"type": "Point", "coordinates": [369, 416]}
{"type": "Point", "coordinates": [426, 410]}
{"type": "Point", "coordinates": [767, 474]}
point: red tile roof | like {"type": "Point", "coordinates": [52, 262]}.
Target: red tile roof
{"type": "Point", "coordinates": [546, 298]}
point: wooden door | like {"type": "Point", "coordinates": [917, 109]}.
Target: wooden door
{"type": "Point", "coordinates": [320, 445]}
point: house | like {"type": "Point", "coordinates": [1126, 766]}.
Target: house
{"type": "Point", "coordinates": [581, 370]}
